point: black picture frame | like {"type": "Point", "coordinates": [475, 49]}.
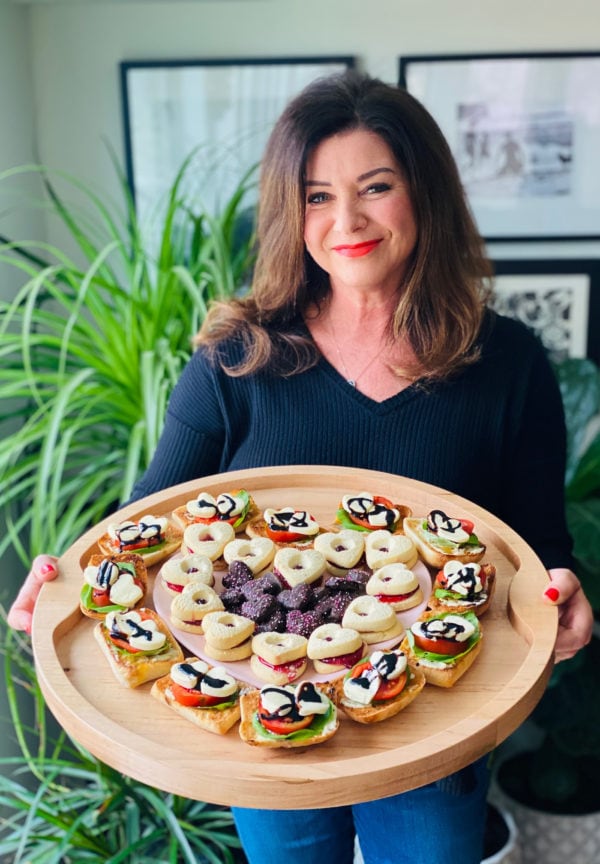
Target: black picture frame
{"type": "Point", "coordinates": [525, 132]}
{"type": "Point", "coordinates": [222, 109]}
{"type": "Point", "coordinates": [558, 299]}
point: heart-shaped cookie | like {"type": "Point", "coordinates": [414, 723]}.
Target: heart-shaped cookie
{"type": "Point", "coordinates": [257, 552]}
{"type": "Point", "coordinates": [332, 640]}
{"type": "Point", "coordinates": [209, 540]}
{"type": "Point", "coordinates": [382, 547]}
{"type": "Point", "coordinates": [299, 565]}
{"type": "Point", "coordinates": [225, 629]}
{"type": "Point", "coordinates": [179, 571]}
{"type": "Point", "coordinates": [368, 614]}
{"type": "Point", "coordinates": [279, 648]}
{"type": "Point", "coordinates": [343, 548]}
{"type": "Point", "coordinates": [189, 608]}
{"type": "Point", "coordinates": [393, 579]}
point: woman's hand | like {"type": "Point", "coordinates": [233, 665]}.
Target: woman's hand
{"type": "Point", "coordinates": [20, 614]}
{"type": "Point", "coordinates": [575, 615]}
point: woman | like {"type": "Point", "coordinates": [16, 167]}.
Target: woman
{"type": "Point", "coordinates": [366, 342]}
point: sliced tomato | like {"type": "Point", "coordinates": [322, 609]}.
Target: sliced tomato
{"type": "Point", "coordinates": [387, 689]}
{"type": "Point", "coordinates": [143, 543]}
{"type": "Point", "coordinates": [123, 643]}
{"type": "Point", "coordinates": [211, 520]}
{"type": "Point", "coordinates": [193, 698]}
{"type": "Point", "coordinates": [364, 523]}
{"type": "Point", "coordinates": [467, 525]}
{"type": "Point", "coordinates": [101, 597]}
{"type": "Point", "coordinates": [439, 646]}
{"type": "Point", "coordinates": [440, 579]}
{"type": "Point", "coordinates": [281, 726]}
{"type": "Point", "coordinates": [357, 670]}
{"type": "Point", "coordinates": [284, 536]}
{"type": "Point", "coordinates": [390, 689]}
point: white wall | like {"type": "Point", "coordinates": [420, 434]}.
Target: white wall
{"type": "Point", "coordinates": [76, 49]}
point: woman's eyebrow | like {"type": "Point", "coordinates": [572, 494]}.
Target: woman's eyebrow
{"type": "Point", "coordinates": [368, 174]}
{"type": "Point", "coordinates": [361, 177]}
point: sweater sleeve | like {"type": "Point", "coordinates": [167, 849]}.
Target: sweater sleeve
{"type": "Point", "coordinates": [533, 491]}
{"type": "Point", "coordinates": [192, 439]}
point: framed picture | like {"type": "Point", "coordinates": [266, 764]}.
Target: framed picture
{"type": "Point", "coordinates": [559, 300]}
{"type": "Point", "coordinates": [525, 133]}
{"type": "Point", "coordinates": [222, 111]}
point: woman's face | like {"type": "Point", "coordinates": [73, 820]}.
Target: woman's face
{"type": "Point", "coordinates": [359, 223]}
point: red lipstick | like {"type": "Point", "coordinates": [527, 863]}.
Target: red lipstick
{"type": "Point", "coordinates": [356, 250]}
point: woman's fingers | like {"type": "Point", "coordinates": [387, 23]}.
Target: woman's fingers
{"type": "Point", "coordinates": [575, 615]}
{"type": "Point", "coordinates": [20, 614]}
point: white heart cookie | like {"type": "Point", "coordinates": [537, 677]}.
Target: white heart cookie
{"type": "Point", "coordinates": [343, 548]}
{"type": "Point", "coordinates": [396, 631]}
{"type": "Point", "coordinates": [332, 640]}
{"type": "Point", "coordinates": [300, 565]}
{"type": "Point", "coordinates": [257, 552]}
{"type": "Point", "coordinates": [392, 579]}
{"type": "Point", "coordinates": [194, 602]}
{"type": "Point", "coordinates": [382, 547]}
{"type": "Point", "coordinates": [209, 540]}
{"type": "Point", "coordinates": [367, 613]}
{"type": "Point", "coordinates": [225, 629]}
{"type": "Point", "coordinates": [179, 571]}
{"type": "Point", "coordinates": [279, 648]}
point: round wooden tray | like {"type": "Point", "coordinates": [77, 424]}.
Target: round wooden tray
{"type": "Point", "coordinates": [442, 731]}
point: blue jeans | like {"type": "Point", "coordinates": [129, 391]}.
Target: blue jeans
{"type": "Point", "coordinates": [441, 823]}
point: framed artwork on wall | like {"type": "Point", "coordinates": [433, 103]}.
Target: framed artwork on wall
{"type": "Point", "coordinates": [559, 300]}
{"type": "Point", "coordinates": [525, 132]}
{"type": "Point", "coordinates": [221, 110]}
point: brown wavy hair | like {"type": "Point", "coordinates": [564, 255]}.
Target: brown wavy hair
{"type": "Point", "coordinates": [443, 299]}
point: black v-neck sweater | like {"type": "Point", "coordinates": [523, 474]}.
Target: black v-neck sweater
{"type": "Point", "coordinates": [493, 433]}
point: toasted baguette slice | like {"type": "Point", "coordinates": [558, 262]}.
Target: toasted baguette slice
{"type": "Point", "coordinates": [257, 527]}
{"type": "Point", "coordinates": [344, 519]}
{"type": "Point", "coordinates": [182, 517]}
{"type": "Point", "coordinates": [170, 545]}
{"type": "Point", "coordinates": [378, 711]}
{"type": "Point", "coordinates": [249, 702]}
{"type": "Point", "coordinates": [451, 672]}
{"type": "Point", "coordinates": [216, 720]}
{"type": "Point", "coordinates": [140, 574]}
{"type": "Point", "coordinates": [440, 604]}
{"type": "Point", "coordinates": [433, 556]}
{"type": "Point", "coordinates": [131, 669]}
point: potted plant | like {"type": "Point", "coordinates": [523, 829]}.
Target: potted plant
{"type": "Point", "coordinates": [550, 783]}
{"type": "Point", "coordinates": [91, 345]}
{"type": "Point", "coordinates": [61, 806]}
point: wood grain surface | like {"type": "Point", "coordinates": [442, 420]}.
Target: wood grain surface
{"type": "Point", "coordinates": [442, 731]}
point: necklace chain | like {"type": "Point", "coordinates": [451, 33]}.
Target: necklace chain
{"type": "Point", "coordinates": [349, 379]}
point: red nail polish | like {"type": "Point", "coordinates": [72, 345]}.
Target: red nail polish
{"type": "Point", "coordinates": [552, 594]}
{"type": "Point", "coordinates": [47, 568]}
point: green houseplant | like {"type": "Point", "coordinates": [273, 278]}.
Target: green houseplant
{"type": "Point", "coordinates": [554, 774]}
{"type": "Point", "coordinates": [59, 805]}
{"type": "Point", "coordinates": [90, 347]}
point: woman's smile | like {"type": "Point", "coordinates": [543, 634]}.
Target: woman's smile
{"type": "Point", "coordinates": [356, 250]}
